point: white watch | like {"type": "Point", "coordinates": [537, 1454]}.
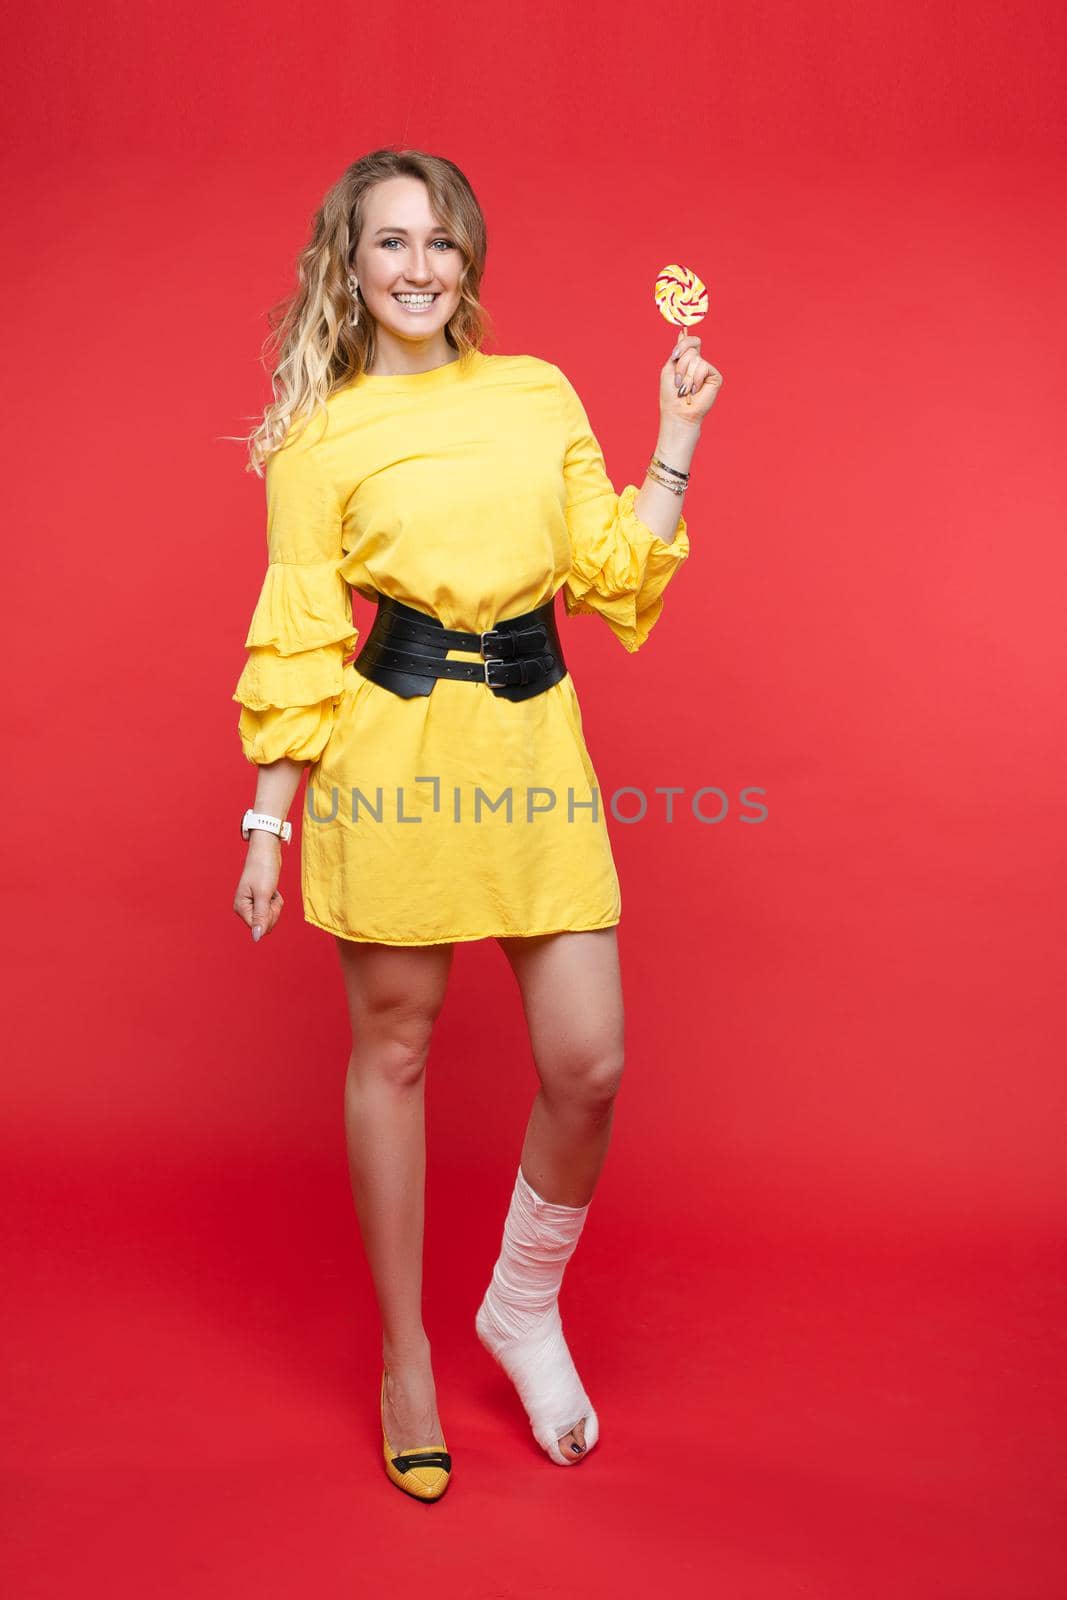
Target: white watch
{"type": "Point", "coordinates": [257, 819]}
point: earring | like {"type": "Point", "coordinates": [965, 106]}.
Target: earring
{"type": "Point", "coordinates": [353, 285]}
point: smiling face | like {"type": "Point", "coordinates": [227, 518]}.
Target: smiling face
{"type": "Point", "coordinates": [409, 269]}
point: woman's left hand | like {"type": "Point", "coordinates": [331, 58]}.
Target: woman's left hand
{"type": "Point", "coordinates": [688, 384]}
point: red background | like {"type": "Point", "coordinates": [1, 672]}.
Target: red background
{"type": "Point", "coordinates": [819, 1300]}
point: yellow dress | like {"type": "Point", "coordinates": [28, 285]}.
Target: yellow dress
{"type": "Point", "coordinates": [473, 492]}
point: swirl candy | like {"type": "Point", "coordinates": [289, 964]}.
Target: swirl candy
{"type": "Point", "coordinates": [681, 296]}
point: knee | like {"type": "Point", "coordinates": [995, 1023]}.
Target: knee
{"type": "Point", "coordinates": [590, 1082]}
{"type": "Point", "coordinates": [393, 1051]}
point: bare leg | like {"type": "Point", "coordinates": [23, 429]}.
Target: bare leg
{"type": "Point", "coordinates": [394, 997]}
{"type": "Point", "coordinates": [572, 997]}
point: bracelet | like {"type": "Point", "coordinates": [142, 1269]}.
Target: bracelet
{"type": "Point", "coordinates": [658, 476]}
{"type": "Point", "coordinates": [672, 470]}
{"type": "Point", "coordinates": [667, 483]}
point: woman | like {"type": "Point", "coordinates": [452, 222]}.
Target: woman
{"type": "Point", "coordinates": [460, 491]}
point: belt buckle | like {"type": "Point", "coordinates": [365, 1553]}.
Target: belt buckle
{"type": "Point", "coordinates": [489, 633]}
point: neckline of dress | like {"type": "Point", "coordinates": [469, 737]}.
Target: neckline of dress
{"type": "Point", "coordinates": [432, 378]}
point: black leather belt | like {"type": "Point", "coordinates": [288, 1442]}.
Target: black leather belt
{"type": "Point", "coordinates": [405, 651]}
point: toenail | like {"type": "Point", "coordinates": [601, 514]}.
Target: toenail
{"type": "Point", "coordinates": [577, 1449]}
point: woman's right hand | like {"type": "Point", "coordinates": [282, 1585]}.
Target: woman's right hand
{"type": "Point", "coordinates": [258, 901]}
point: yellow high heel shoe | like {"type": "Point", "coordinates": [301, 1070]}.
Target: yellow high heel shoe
{"type": "Point", "coordinates": [424, 1473]}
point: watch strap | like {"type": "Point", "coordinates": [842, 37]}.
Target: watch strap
{"type": "Point", "coordinates": [260, 819]}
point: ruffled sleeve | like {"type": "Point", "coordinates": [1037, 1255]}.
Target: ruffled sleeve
{"type": "Point", "coordinates": [301, 627]}
{"type": "Point", "coordinates": [619, 566]}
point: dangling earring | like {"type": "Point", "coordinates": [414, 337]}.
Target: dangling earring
{"type": "Point", "coordinates": [353, 285]}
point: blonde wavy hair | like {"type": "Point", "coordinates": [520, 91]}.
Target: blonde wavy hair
{"type": "Point", "coordinates": [315, 346]}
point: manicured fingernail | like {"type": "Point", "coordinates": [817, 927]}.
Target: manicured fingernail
{"type": "Point", "coordinates": [257, 934]}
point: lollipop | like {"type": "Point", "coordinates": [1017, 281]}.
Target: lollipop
{"type": "Point", "coordinates": [681, 296]}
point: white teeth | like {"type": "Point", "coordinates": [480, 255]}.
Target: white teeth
{"type": "Point", "coordinates": [415, 299]}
